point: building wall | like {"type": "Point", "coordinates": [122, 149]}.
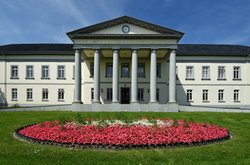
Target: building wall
{"type": "Point", "coordinates": [196, 85]}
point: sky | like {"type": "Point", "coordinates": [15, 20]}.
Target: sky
{"type": "Point", "coordinates": [202, 21]}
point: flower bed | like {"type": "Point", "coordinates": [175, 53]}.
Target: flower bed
{"type": "Point", "coordinates": [119, 134]}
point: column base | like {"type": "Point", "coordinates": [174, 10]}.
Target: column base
{"type": "Point", "coordinates": [134, 102]}
{"type": "Point", "coordinates": [115, 102]}
{"type": "Point", "coordinates": [153, 102]}
{"type": "Point", "coordinates": [77, 102]}
{"type": "Point", "coordinates": [173, 106]}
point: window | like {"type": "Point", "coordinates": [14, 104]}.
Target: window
{"type": "Point", "coordinates": [29, 94]}
{"type": "Point", "coordinates": [221, 73]}
{"type": "Point", "coordinates": [91, 69]}
{"type": "Point", "coordinates": [205, 72]}
{"type": "Point", "coordinates": [158, 70]}
{"type": "Point", "coordinates": [45, 94]}
{"type": "Point", "coordinates": [92, 93]}
{"type": "Point", "coordinates": [109, 70]}
{"type": "Point", "coordinates": [190, 73]}
{"type": "Point", "coordinates": [61, 72]}
{"type": "Point", "coordinates": [189, 95]}
{"type": "Point", "coordinates": [45, 72]}
{"type": "Point", "coordinates": [14, 94]}
{"type": "Point", "coordinates": [29, 72]}
{"type": "Point", "coordinates": [176, 72]}
{"type": "Point", "coordinates": [60, 94]}
{"type": "Point", "coordinates": [236, 95]}
{"type": "Point", "coordinates": [204, 95]}
{"type": "Point", "coordinates": [141, 70]}
{"type": "Point", "coordinates": [140, 94]}
{"type": "Point", "coordinates": [125, 70]}
{"type": "Point", "coordinates": [157, 94]}
{"type": "Point", "coordinates": [14, 72]}
{"type": "Point", "coordinates": [236, 73]}
{"type": "Point", "coordinates": [109, 94]}
{"type": "Point", "coordinates": [73, 77]}
{"type": "Point", "coordinates": [221, 95]}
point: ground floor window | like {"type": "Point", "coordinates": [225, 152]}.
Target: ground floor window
{"type": "Point", "coordinates": [157, 94]}
{"type": "Point", "coordinates": [14, 94]}
{"type": "Point", "coordinates": [221, 95]}
{"type": "Point", "coordinates": [140, 94]}
{"type": "Point", "coordinates": [205, 95]}
{"type": "Point", "coordinates": [29, 94]}
{"type": "Point", "coordinates": [189, 95]}
{"type": "Point", "coordinates": [60, 94]}
{"type": "Point", "coordinates": [236, 95]}
{"type": "Point", "coordinates": [109, 94]}
{"type": "Point", "coordinates": [92, 93]}
{"type": "Point", "coordinates": [45, 94]}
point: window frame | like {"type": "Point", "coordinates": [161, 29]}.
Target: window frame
{"type": "Point", "coordinates": [109, 75]}
{"type": "Point", "coordinates": [109, 94]}
{"type": "Point", "coordinates": [122, 66]}
{"type": "Point", "coordinates": [238, 77]}
{"type": "Point", "coordinates": [14, 75]}
{"type": "Point", "coordinates": [221, 95]}
{"type": "Point", "coordinates": [14, 93]}
{"type": "Point", "coordinates": [29, 72]}
{"type": "Point", "coordinates": [143, 67]}
{"type": "Point", "coordinates": [45, 94]}
{"type": "Point", "coordinates": [140, 94]}
{"type": "Point", "coordinates": [205, 73]}
{"type": "Point", "coordinates": [47, 72]}
{"type": "Point", "coordinates": [223, 68]}
{"type": "Point", "coordinates": [205, 95]}
{"type": "Point", "coordinates": [61, 72]}
{"type": "Point", "coordinates": [29, 94]}
{"type": "Point", "coordinates": [61, 94]}
{"type": "Point", "coordinates": [236, 95]}
{"type": "Point", "coordinates": [190, 75]}
{"type": "Point", "coordinates": [189, 95]}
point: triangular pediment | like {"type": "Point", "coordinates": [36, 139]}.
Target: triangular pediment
{"type": "Point", "coordinates": [124, 26]}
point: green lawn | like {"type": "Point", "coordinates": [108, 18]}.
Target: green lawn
{"type": "Point", "coordinates": [234, 151]}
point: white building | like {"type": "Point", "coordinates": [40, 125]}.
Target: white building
{"type": "Point", "coordinates": [125, 61]}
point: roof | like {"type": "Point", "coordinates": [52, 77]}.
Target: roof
{"type": "Point", "coordinates": [85, 32]}
{"type": "Point", "coordinates": [183, 49]}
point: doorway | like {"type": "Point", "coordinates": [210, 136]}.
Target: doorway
{"type": "Point", "coordinates": [125, 96]}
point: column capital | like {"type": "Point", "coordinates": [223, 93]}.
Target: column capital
{"type": "Point", "coordinates": [153, 50]}
{"type": "Point", "coordinates": [173, 50]}
{"type": "Point", "coordinates": [134, 50]}
{"type": "Point", "coordinates": [115, 50]}
{"type": "Point", "coordinates": [96, 50]}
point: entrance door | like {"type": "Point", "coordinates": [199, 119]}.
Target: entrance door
{"type": "Point", "coordinates": [125, 99]}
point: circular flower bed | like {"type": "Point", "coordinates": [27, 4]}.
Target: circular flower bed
{"type": "Point", "coordinates": [120, 134]}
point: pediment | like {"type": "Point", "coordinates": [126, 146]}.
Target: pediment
{"type": "Point", "coordinates": [115, 27]}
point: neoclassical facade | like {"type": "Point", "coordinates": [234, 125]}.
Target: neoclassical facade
{"type": "Point", "coordinates": [125, 61]}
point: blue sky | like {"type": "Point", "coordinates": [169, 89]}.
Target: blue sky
{"type": "Point", "coordinates": [202, 21]}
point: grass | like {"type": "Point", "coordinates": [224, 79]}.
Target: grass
{"type": "Point", "coordinates": [234, 151]}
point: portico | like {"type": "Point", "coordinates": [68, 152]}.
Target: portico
{"type": "Point", "coordinates": [131, 39]}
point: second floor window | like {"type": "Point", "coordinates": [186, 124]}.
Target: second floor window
{"type": "Point", "coordinates": [141, 70]}
{"type": "Point", "coordinates": [221, 72]}
{"type": "Point", "coordinates": [189, 95]}
{"type": "Point", "coordinates": [45, 72]}
{"type": "Point", "coordinates": [61, 72]}
{"type": "Point", "coordinates": [125, 70]}
{"type": "Point", "coordinates": [190, 72]}
{"type": "Point", "coordinates": [158, 70]}
{"type": "Point", "coordinates": [205, 72]}
{"type": "Point", "coordinates": [29, 71]}
{"type": "Point", "coordinates": [14, 71]}
{"type": "Point", "coordinates": [236, 72]}
{"type": "Point", "coordinates": [91, 69]}
{"type": "Point", "coordinates": [109, 70]}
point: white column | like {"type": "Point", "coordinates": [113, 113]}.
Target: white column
{"type": "Point", "coordinates": [96, 77]}
{"type": "Point", "coordinates": [172, 77]}
{"type": "Point", "coordinates": [134, 77]}
{"type": "Point", "coordinates": [78, 77]}
{"type": "Point", "coordinates": [153, 76]}
{"type": "Point", "coordinates": [115, 85]}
